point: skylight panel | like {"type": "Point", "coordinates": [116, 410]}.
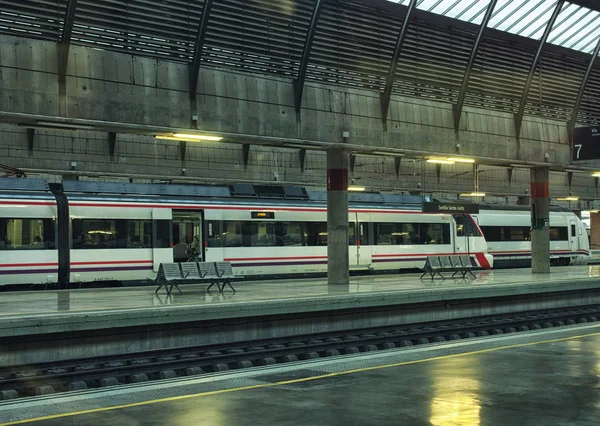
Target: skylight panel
{"type": "Point", "coordinates": [577, 27]}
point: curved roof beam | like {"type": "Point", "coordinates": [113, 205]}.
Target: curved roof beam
{"type": "Point", "coordinates": [387, 91]}
{"type": "Point", "coordinates": [64, 40]}
{"type": "Point", "coordinates": [194, 66]}
{"type": "Point", "coordinates": [310, 36]}
{"type": "Point", "coordinates": [536, 59]}
{"type": "Point", "coordinates": [458, 107]}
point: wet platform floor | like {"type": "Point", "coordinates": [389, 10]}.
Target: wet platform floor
{"type": "Point", "coordinates": [549, 377]}
{"type": "Point", "coordinates": [84, 300]}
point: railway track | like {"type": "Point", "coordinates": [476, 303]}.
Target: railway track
{"type": "Point", "coordinates": [43, 379]}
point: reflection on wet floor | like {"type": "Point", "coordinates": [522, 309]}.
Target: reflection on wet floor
{"type": "Point", "coordinates": [14, 303]}
{"type": "Point", "coordinates": [556, 382]}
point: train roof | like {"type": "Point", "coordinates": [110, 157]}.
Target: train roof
{"type": "Point", "coordinates": [244, 193]}
{"type": "Point", "coordinates": [499, 207]}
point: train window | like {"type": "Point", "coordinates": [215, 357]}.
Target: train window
{"type": "Point", "coordinates": [27, 234]}
{"type": "Point", "coordinates": [506, 233]}
{"type": "Point", "coordinates": [363, 234]}
{"type": "Point", "coordinates": [271, 234]}
{"type": "Point", "coordinates": [465, 226]}
{"type": "Point", "coordinates": [559, 233]}
{"type": "Point", "coordinates": [118, 233]}
{"type": "Point", "coordinates": [231, 235]}
{"type": "Point", "coordinates": [460, 225]}
{"type": "Point", "coordinates": [573, 231]}
{"type": "Point", "coordinates": [290, 233]}
{"type": "Point", "coordinates": [412, 233]}
{"type": "Point", "coordinates": [139, 234]}
{"type": "Point", "coordinates": [316, 233]}
{"type": "Point", "coordinates": [259, 234]}
{"type": "Point", "coordinates": [434, 233]}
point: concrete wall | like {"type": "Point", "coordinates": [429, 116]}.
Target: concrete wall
{"type": "Point", "coordinates": [109, 86]}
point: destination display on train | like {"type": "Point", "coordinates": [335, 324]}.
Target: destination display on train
{"type": "Point", "coordinates": [453, 208]}
{"type": "Point", "coordinates": [586, 143]}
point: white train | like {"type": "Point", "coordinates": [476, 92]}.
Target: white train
{"type": "Point", "coordinates": [507, 231]}
{"type": "Point", "coordinates": [100, 231]}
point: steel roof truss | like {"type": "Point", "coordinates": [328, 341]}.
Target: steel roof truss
{"type": "Point", "coordinates": [458, 107]}
{"type": "Point", "coordinates": [194, 66]}
{"type": "Point", "coordinates": [523, 103]}
{"type": "Point", "coordinates": [310, 35]}
{"type": "Point", "coordinates": [387, 92]}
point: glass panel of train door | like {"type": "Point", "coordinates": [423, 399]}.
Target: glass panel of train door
{"type": "Point", "coordinates": [187, 236]}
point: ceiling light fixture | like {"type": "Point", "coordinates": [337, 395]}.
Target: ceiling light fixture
{"type": "Point", "coordinates": [473, 194]}
{"type": "Point", "coordinates": [391, 154]}
{"type": "Point", "coordinates": [569, 198]}
{"type": "Point", "coordinates": [188, 137]}
{"type": "Point", "coordinates": [440, 161]}
{"type": "Point", "coordinates": [461, 160]}
{"type": "Point", "coordinates": [356, 188]}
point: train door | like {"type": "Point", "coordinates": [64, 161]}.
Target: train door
{"type": "Point", "coordinates": [187, 236]}
{"type": "Point", "coordinates": [574, 237]}
{"type": "Point", "coordinates": [465, 230]}
{"type": "Point", "coordinates": [360, 252]}
{"type": "Point", "coordinates": [161, 237]}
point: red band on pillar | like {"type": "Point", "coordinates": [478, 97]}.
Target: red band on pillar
{"type": "Point", "coordinates": [540, 190]}
{"type": "Point", "coordinates": [337, 179]}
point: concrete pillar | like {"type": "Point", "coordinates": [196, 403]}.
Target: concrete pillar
{"type": "Point", "coordinates": [540, 220]}
{"type": "Point", "coordinates": [338, 268]}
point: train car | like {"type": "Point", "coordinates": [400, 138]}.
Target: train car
{"type": "Point", "coordinates": [507, 231]}
{"type": "Point", "coordinates": [28, 230]}
{"type": "Point", "coordinates": [122, 232]}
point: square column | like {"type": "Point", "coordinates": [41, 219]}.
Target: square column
{"type": "Point", "coordinates": [338, 265]}
{"type": "Point", "coordinates": [540, 220]}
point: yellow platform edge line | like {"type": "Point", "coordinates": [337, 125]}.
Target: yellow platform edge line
{"type": "Point", "coordinates": [300, 380]}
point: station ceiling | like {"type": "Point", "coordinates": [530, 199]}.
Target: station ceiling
{"type": "Point", "coordinates": [354, 42]}
{"type": "Point", "coordinates": [577, 26]}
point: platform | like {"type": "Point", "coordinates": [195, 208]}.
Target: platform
{"type": "Point", "coordinates": [26, 313]}
{"type": "Point", "coordinates": [545, 377]}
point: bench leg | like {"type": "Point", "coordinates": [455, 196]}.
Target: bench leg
{"type": "Point", "coordinates": [212, 284]}
{"type": "Point", "coordinates": [159, 287]}
{"type": "Point", "coordinates": [454, 274]}
{"type": "Point", "coordinates": [178, 289]}
{"type": "Point", "coordinates": [440, 274]}
{"type": "Point", "coordinates": [229, 284]}
{"type": "Point", "coordinates": [471, 272]}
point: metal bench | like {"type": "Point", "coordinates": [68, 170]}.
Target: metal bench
{"type": "Point", "coordinates": [170, 275]}
{"type": "Point", "coordinates": [466, 267]}
{"type": "Point", "coordinates": [226, 276]}
{"type": "Point", "coordinates": [432, 267]}
{"type": "Point", "coordinates": [454, 263]}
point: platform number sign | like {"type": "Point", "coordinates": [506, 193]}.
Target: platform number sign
{"type": "Point", "coordinates": [586, 143]}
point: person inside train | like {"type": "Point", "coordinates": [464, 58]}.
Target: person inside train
{"type": "Point", "coordinates": [37, 243]}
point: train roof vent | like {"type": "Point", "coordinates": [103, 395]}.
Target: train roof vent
{"type": "Point", "coordinates": [317, 195]}
{"type": "Point", "coordinates": [269, 191]}
{"type": "Point", "coordinates": [402, 199]}
{"type": "Point", "coordinates": [242, 190]}
{"type": "Point", "coordinates": [365, 197]}
{"type": "Point", "coordinates": [295, 193]}
{"type": "Point", "coordinates": [23, 184]}
{"type": "Point", "coordinates": [94, 187]}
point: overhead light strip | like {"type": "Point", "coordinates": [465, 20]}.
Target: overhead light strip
{"type": "Point", "coordinates": [184, 137]}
